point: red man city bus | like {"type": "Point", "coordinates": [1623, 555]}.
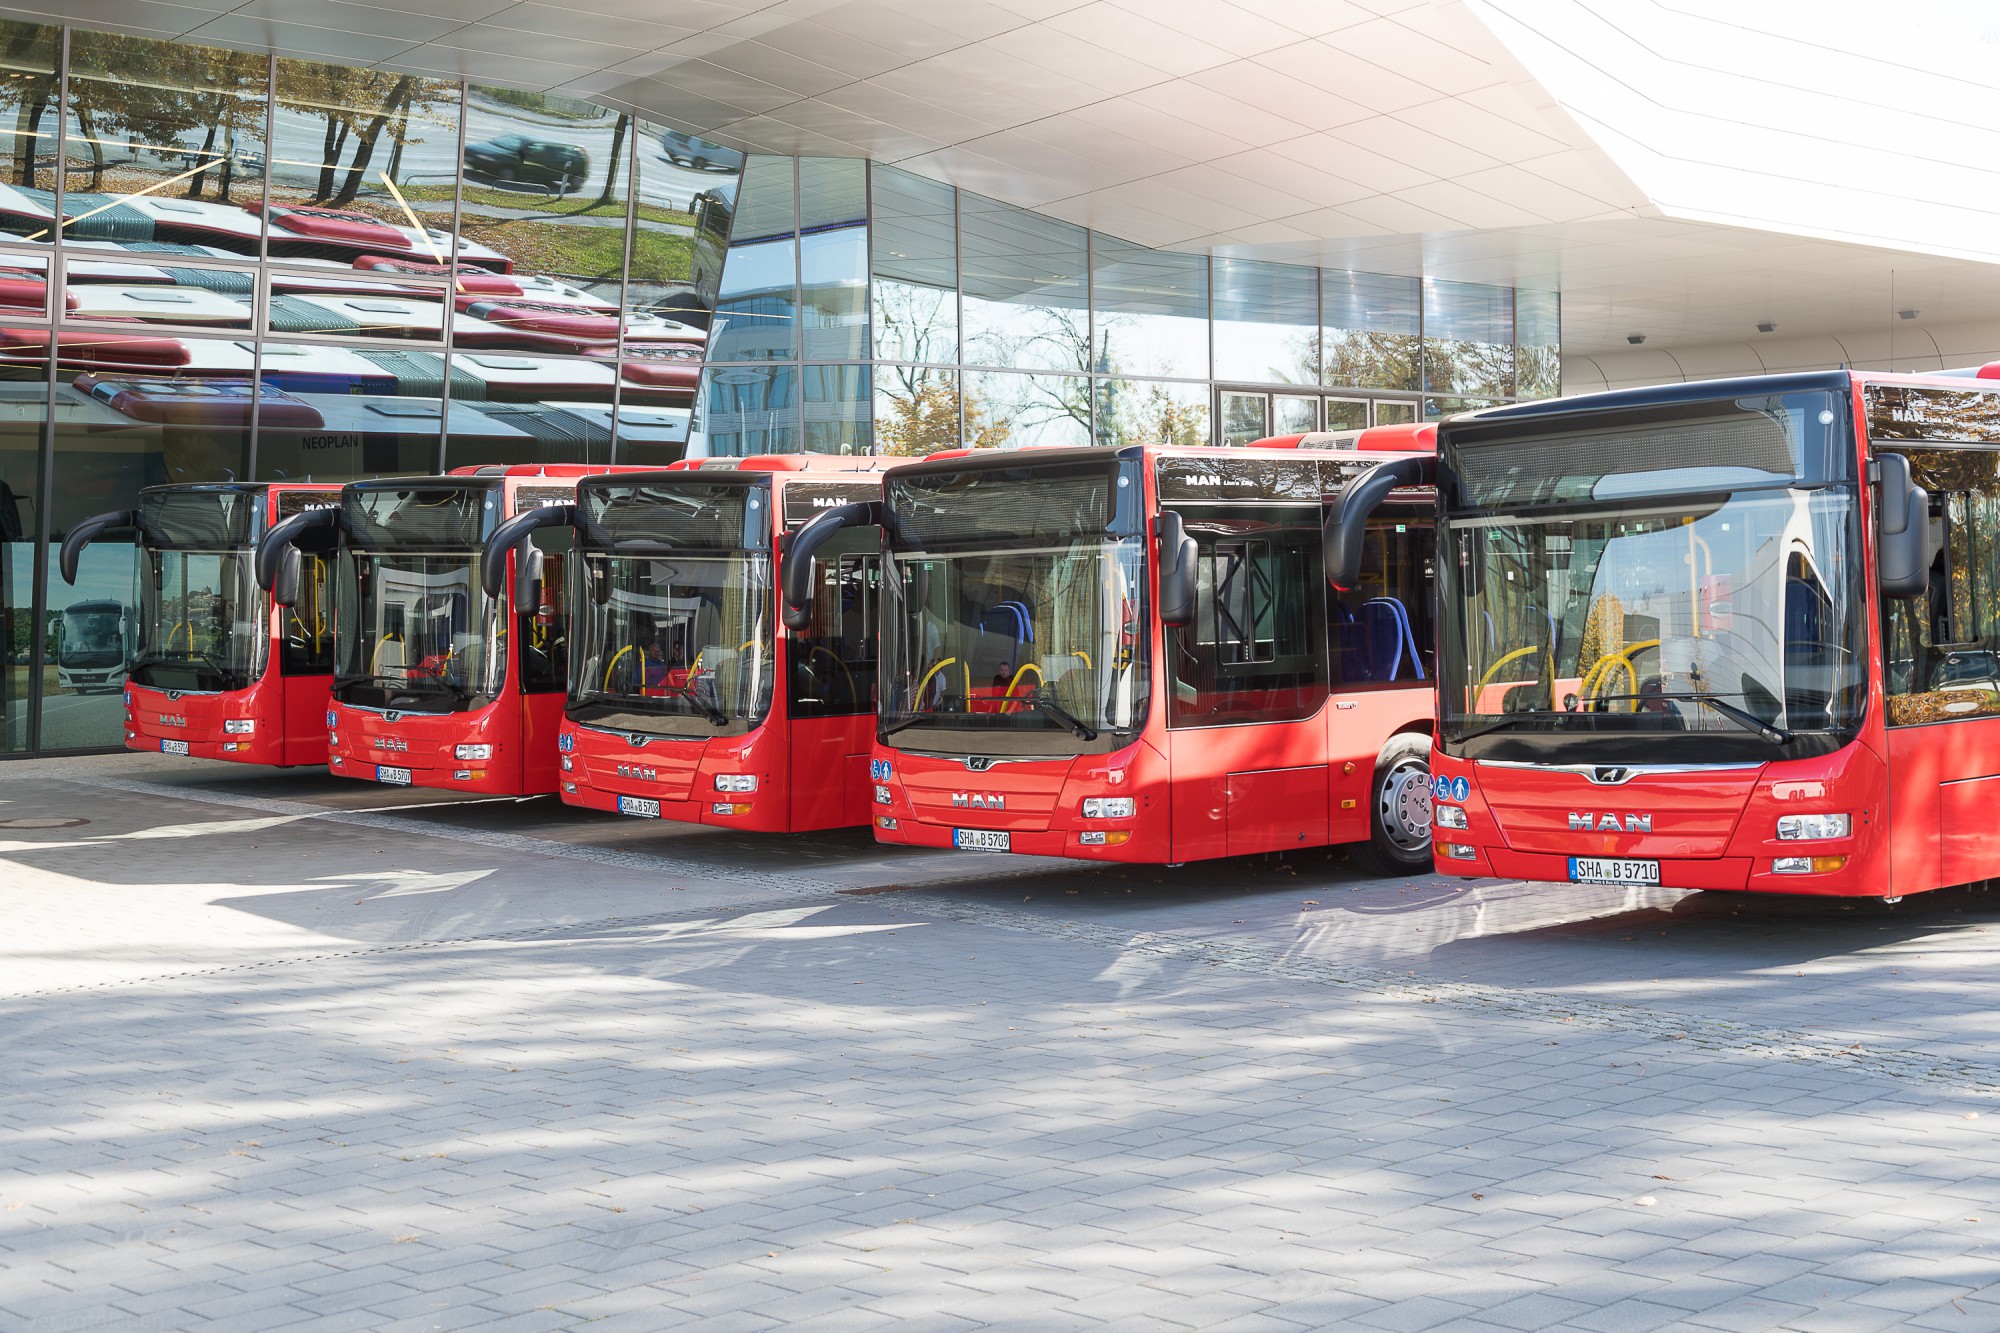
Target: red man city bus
{"type": "Point", "coordinates": [438, 683]}
{"type": "Point", "coordinates": [1733, 635]}
{"type": "Point", "coordinates": [217, 669]}
{"type": "Point", "coordinates": [686, 703]}
{"type": "Point", "coordinates": [1132, 655]}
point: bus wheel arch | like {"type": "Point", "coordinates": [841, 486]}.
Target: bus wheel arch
{"type": "Point", "coordinates": [1399, 807]}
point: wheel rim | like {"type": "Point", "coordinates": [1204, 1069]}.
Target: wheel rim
{"type": "Point", "coordinates": [1404, 811]}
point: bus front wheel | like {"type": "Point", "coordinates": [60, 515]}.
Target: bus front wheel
{"type": "Point", "coordinates": [1399, 809]}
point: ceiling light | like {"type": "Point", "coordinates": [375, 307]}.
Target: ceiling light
{"type": "Point", "coordinates": [1767, 328]}
{"type": "Point", "coordinates": [1635, 338]}
{"type": "Point", "coordinates": [1908, 314]}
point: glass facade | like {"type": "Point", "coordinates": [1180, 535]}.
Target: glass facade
{"type": "Point", "coordinates": [218, 264]}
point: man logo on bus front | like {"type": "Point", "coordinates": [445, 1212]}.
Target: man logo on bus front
{"type": "Point", "coordinates": [1589, 821]}
{"type": "Point", "coordinates": [978, 763]}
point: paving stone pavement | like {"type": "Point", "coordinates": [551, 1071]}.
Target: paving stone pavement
{"type": "Point", "coordinates": [291, 1051]}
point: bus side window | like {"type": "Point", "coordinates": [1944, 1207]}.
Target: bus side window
{"type": "Point", "coordinates": [1943, 647]}
{"type": "Point", "coordinates": [544, 639]}
{"type": "Point", "coordinates": [833, 662]}
{"type": "Point", "coordinates": [1382, 631]}
{"type": "Point", "coordinates": [1254, 652]}
{"type": "Point", "coordinates": [306, 642]}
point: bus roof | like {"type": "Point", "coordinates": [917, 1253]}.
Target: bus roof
{"type": "Point", "coordinates": [785, 463]}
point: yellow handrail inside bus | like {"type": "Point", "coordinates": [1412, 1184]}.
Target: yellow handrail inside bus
{"type": "Point", "coordinates": [1600, 670]}
{"type": "Point", "coordinates": [612, 665]}
{"type": "Point", "coordinates": [1026, 667]}
{"type": "Point", "coordinates": [1494, 670]}
{"type": "Point", "coordinates": [939, 667]}
{"type": "Point", "coordinates": [852, 690]}
{"type": "Point", "coordinates": [375, 662]}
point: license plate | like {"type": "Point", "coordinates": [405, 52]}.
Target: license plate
{"type": "Point", "coordinates": [981, 840]}
{"type": "Point", "coordinates": [640, 806]}
{"type": "Point", "coordinates": [1612, 870]}
{"type": "Point", "coordinates": [397, 776]}
{"type": "Point", "coordinates": [173, 747]}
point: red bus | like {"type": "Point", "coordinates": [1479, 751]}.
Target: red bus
{"type": "Point", "coordinates": [1733, 635]}
{"type": "Point", "coordinates": [1132, 654]}
{"type": "Point", "coordinates": [217, 669]}
{"type": "Point", "coordinates": [438, 683]}
{"type": "Point", "coordinates": [687, 703]}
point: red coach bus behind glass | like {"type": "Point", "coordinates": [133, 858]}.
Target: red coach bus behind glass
{"type": "Point", "coordinates": [1133, 655]}
{"type": "Point", "coordinates": [689, 701]}
{"type": "Point", "coordinates": [216, 669]}
{"type": "Point", "coordinates": [1713, 635]}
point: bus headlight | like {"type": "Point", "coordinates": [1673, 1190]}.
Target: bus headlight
{"type": "Point", "coordinates": [1448, 816]}
{"type": "Point", "coordinates": [882, 796]}
{"type": "Point", "coordinates": [1807, 865]}
{"type": "Point", "coordinates": [568, 763]}
{"type": "Point", "coordinates": [738, 782]}
{"type": "Point", "coordinates": [239, 726]}
{"type": "Point", "coordinates": [1109, 807]}
{"type": "Point", "coordinates": [471, 752]}
{"type": "Point", "coordinates": [1806, 828]}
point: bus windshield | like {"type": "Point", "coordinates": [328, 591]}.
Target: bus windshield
{"type": "Point", "coordinates": [1711, 612]}
{"type": "Point", "coordinates": [93, 636]}
{"type": "Point", "coordinates": [201, 621]}
{"type": "Point", "coordinates": [415, 631]}
{"type": "Point", "coordinates": [680, 645]}
{"type": "Point", "coordinates": [1014, 610]}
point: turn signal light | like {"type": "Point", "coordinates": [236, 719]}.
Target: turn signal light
{"type": "Point", "coordinates": [1458, 851]}
{"type": "Point", "coordinates": [570, 787]}
{"type": "Point", "coordinates": [730, 808]}
{"type": "Point", "coordinates": [1105, 837]}
{"type": "Point", "coordinates": [1807, 865]}
{"type": "Point", "coordinates": [885, 821]}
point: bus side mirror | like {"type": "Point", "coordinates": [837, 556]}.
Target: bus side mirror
{"type": "Point", "coordinates": [1178, 554]}
{"type": "Point", "coordinates": [528, 567]}
{"type": "Point", "coordinates": [286, 577]}
{"type": "Point", "coordinates": [1903, 529]}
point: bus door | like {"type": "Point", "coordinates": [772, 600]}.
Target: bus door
{"type": "Point", "coordinates": [830, 690]}
{"type": "Point", "coordinates": [1942, 683]}
{"type": "Point", "coordinates": [1246, 683]}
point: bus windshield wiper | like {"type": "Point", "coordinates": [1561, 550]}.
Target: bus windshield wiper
{"type": "Point", "coordinates": [1757, 724]}
{"type": "Point", "coordinates": [1504, 721]}
{"type": "Point", "coordinates": [915, 719]}
{"type": "Point", "coordinates": [707, 709]}
{"type": "Point", "coordinates": [1045, 703]}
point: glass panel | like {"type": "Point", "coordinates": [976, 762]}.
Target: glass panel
{"type": "Point", "coordinates": [837, 410]}
{"type": "Point", "coordinates": [332, 413]}
{"type": "Point", "coordinates": [1245, 417]}
{"type": "Point", "coordinates": [916, 411]}
{"type": "Point", "coordinates": [1468, 338]}
{"type": "Point", "coordinates": [526, 409]}
{"type": "Point", "coordinates": [1151, 311]}
{"type": "Point", "coordinates": [747, 410]}
{"type": "Point", "coordinates": [833, 192]}
{"type": "Point", "coordinates": [1941, 647]}
{"type": "Point", "coordinates": [1143, 412]}
{"type": "Point", "coordinates": [1256, 651]}
{"type": "Point", "coordinates": [1538, 344]}
{"type": "Point", "coordinates": [117, 430]}
{"type": "Point", "coordinates": [769, 207]}
{"type": "Point", "coordinates": [23, 410]}
{"type": "Point", "coordinates": [218, 298]}
{"type": "Point", "coordinates": [545, 184]}
{"type": "Point", "coordinates": [28, 127]}
{"type": "Point", "coordinates": [1266, 322]}
{"type": "Point", "coordinates": [833, 659]}
{"type": "Point", "coordinates": [1371, 329]}
{"type": "Point", "coordinates": [1382, 631]}
{"type": "Point", "coordinates": [1292, 414]}
{"type": "Point", "coordinates": [1394, 412]}
{"type": "Point", "coordinates": [756, 312]}
{"type": "Point", "coordinates": [835, 293]}
{"type": "Point", "coordinates": [1017, 410]}
{"type": "Point", "coordinates": [684, 182]}
{"type": "Point", "coordinates": [166, 143]}
{"type": "Point", "coordinates": [366, 163]}
{"type": "Point", "coordinates": [651, 431]}
{"type": "Point", "coordinates": [341, 303]}
{"type": "Point", "coordinates": [1436, 409]}
{"type": "Point", "coordinates": [915, 256]}
{"type": "Point", "coordinates": [1026, 288]}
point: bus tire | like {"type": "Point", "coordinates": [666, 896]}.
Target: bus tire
{"type": "Point", "coordinates": [1399, 809]}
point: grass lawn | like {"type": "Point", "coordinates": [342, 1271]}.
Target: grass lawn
{"type": "Point", "coordinates": [585, 252]}
{"type": "Point", "coordinates": [576, 205]}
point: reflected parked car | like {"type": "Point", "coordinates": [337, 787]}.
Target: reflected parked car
{"type": "Point", "coordinates": [516, 157]}
{"type": "Point", "coordinates": [688, 151]}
